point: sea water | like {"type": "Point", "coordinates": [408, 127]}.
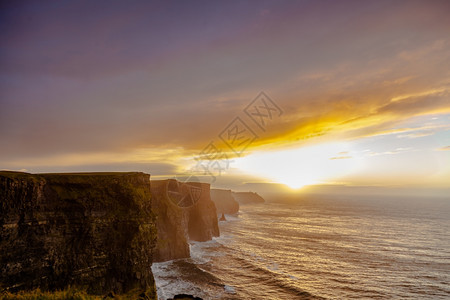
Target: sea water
{"type": "Point", "coordinates": [332, 249]}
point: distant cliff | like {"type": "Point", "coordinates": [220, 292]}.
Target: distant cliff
{"type": "Point", "coordinates": [224, 201]}
{"type": "Point", "coordinates": [94, 231]}
{"type": "Point", "coordinates": [184, 211]}
{"type": "Point", "coordinates": [247, 197]}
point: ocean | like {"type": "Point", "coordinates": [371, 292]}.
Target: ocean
{"type": "Point", "coordinates": [320, 249]}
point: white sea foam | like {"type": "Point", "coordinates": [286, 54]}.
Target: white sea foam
{"type": "Point", "coordinates": [202, 252]}
{"type": "Point", "coordinates": [229, 289]}
{"type": "Point", "coordinates": [169, 283]}
{"type": "Point", "coordinates": [232, 218]}
{"type": "Point", "coordinates": [315, 250]}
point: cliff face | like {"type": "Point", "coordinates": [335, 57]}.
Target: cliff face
{"type": "Point", "coordinates": [171, 223]}
{"type": "Point", "coordinates": [183, 211]}
{"type": "Point", "coordinates": [202, 220]}
{"type": "Point", "coordinates": [248, 197]}
{"type": "Point", "coordinates": [224, 201]}
{"type": "Point", "coordinates": [94, 231]}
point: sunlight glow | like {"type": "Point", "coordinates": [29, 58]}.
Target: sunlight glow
{"type": "Point", "coordinates": [302, 166]}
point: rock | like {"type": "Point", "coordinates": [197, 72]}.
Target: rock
{"type": "Point", "coordinates": [171, 223]}
{"type": "Point", "coordinates": [95, 231]}
{"type": "Point", "coordinates": [202, 221]}
{"type": "Point", "coordinates": [224, 201]}
{"type": "Point", "coordinates": [248, 197]}
{"type": "Point", "coordinates": [185, 297]}
{"type": "Point", "coordinates": [109, 296]}
{"type": "Point", "coordinates": [184, 211]}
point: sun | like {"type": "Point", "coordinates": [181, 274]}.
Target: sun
{"type": "Point", "coordinates": [292, 179]}
{"type": "Point", "coordinates": [298, 167]}
{"type": "Point", "coordinates": [295, 183]}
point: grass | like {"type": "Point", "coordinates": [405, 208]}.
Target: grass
{"type": "Point", "coordinates": [68, 294]}
{"type": "Point", "coordinates": [74, 294]}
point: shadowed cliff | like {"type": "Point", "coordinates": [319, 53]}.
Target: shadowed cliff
{"type": "Point", "coordinates": [248, 197]}
{"type": "Point", "coordinates": [224, 201]}
{"type": "Point", "coordinates": [94, 231]}
{"type": "Point", "coordinates": [184, 212]}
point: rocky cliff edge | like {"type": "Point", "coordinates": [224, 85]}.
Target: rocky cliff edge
{"type": "Point", "coordinates": [95, 231]}
{"type": "Point", "coordinates": [184, 212]}
{"type": "Point", "coordinates": [224, 201]}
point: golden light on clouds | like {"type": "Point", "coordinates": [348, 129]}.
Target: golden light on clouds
{"type": "Point", "coordinates": [419, 94]}
{"type": "Point", "coordinates": [149, 95]}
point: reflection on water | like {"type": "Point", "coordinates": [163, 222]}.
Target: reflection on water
{"type": "Point", "coordinates": [332, 249]}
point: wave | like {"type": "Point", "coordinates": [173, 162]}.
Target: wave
{"type": "Point", "coordinates": [183, 276]}
{"type": "Point", "coordinates": [290, 252]}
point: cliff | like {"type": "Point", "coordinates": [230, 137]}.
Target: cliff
{"type": "Point", "coordinates": [247, 197]}
{"type": "Point", "coordinates": [184, 212]}
{"type": "Point", "coordinates": [95, 231]}
{"type": "Point", "coordinates": [224, 201]}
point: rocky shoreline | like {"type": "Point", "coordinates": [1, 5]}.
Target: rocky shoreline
{"type": "Point", "coordinates": [100, 232]}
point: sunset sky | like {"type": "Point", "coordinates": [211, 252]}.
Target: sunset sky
{"type": "Point", "coordinates": [362, 87]}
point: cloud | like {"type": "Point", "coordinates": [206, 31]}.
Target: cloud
{"type": "Point", "coordinates": [423, 51]}
{"type": "Point", "coordinates": [264, 12]}
{"type": "Point", "coordinates": [446, 148]}
{"type": "Point", "coordinates": [419, 94]}
{"type": "Point", "coordinates": [418, 103]}
{"type": "Point", "coordinates": [416, 134]}
{"type": "Point", "coordinates": [365, 115]}
{"type": "Point", "coordinates": [341, 157]}
{"type": "Point", "coordinates": [172, 77]}
{"type": "Point", "coordinates": [392, 152]}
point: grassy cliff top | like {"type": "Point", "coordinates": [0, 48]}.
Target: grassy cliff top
{"type": "Point", "coordinates": [71, 176]}
{"type": "Point", "coordinates": [17, 173]}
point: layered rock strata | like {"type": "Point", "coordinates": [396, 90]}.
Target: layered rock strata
{"type": "Point", "coordinates": [95, 231]}
{"type": "Point", "coordinates": [184, 212]}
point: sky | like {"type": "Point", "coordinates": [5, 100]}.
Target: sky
{"type": "Point", "coordinates": [298, 93]}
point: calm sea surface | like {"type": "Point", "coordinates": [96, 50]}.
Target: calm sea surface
{"type": "Point", "coordinates": [333, 249]}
